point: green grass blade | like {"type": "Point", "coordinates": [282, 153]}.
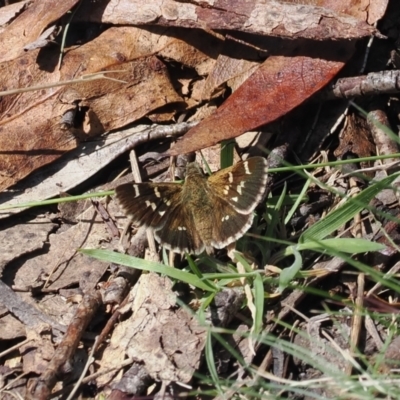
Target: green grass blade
{"type": "Point", "coordinates": [226, 155]}
{"type": "Point", "coordinates": [259, 304]}
{"type": "Point", "coordinates": [288, 274]}
{"type": "Point", "coordinates": [144, 265]}
{"type": "Point", "coordinates": [345, 213]}
{"type": "Point", "coordinates": [343, 245]}
{"type": "Point", "coordinates": [210, 360]}
{"type": "Point", "coordinates": [329, 246]}
{"type": "Point", "coordinates": [298, 201]}
{"type": "Point", "coordinates": [58, 200]}
{"type": "Point", "coordinates": [193, 266]}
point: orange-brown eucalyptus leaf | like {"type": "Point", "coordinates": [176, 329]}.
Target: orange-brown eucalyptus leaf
{"type": "Point", "coordinates": [280, 84]}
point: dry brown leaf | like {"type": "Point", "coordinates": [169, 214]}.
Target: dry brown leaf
{"type": "Point", "coordinates": [32, 132]}
{"type": "Point", "coordinates": [355, 140]}
{"type": "Point", "coordinates": [29, 142]}
{"type": "Point", "coordinates": [167, 340]}
{"type": "Point", "coordinates": [62, 263]}
{"type": "Point", "coordinates": [29, 25]}
{"type": "Point", "coordinates": [236, 62]}
{"type": "Point", "coordinates": [30, 236]}
{"type": "Point", "coordinates": [10, 327]}
{"type": "Point", "coordinates": [39, 350]}
{"type": "Point", "coordinates": [8, 13]}
{"type": "Point", "coordinates": [278, 86]}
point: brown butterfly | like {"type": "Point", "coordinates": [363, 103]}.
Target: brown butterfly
{"type": "Point", "coordinates": [204, 212]}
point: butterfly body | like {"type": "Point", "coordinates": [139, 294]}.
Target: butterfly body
{"type": "Point", "coordinates": [198, 203]}
{"type": "Point", "coordinates": [203, 212]}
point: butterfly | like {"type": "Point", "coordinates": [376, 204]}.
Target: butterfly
{"type": "Point", "coordinates": [204, 212]}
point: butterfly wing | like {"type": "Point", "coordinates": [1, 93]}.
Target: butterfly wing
{"type": "Point", "coordinates": [242, 185]}
{"type": "Point", "coordinates": [229, 225]}
{"type": "Point", "coordinates": [180, 234]}
{"type": "Point", "coordinates": [159, 206]}
{"type": "Point", "coordinates": [147, 203]}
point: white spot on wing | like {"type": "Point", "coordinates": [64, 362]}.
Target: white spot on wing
{"type": "Point", "coordinates": [239, 187]}
{"type": "Point", "coordinates": [235, 236]}
{"type": "Point", "coordinates": [230, 177]}
{"type": "Point", "coordinates": [226, 189]}
{"type": "Point", "coordinates": [136, 189]}
{"type": "Point", "coordinates": [157, 192]}
{"type": "Point", "coordinates": [235, 199]}
{"type": "Point", "coordinates": [161, 212]}
{"type": "Point", "coordinates": [181, 228]}
{"type": "Point", "coordinates": [176, 249]}
{"type": "Point", "coordinates": [150, 204]}
{"type": "Point", "coordinates": [225, 218]}
{"type": "Point", "coordinates": [246, 168]}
